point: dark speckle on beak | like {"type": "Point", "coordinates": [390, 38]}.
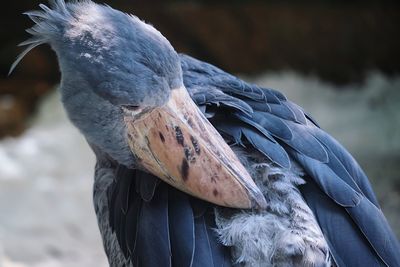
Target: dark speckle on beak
{"type": "Point", "coordinates": [161, 137]}
{"type": "Point", "coordinates": [179, 136]}
{"type": "Point", "coordinates": [195, 145]}
{"type": "Point", "coordinates": [215, 192]}
{"type": "Point", "coordinates": [185, 170]}
{"type": "Point", "coordinates": [187, 152]}
{"type": "Point", "coordinates": [190, 122]}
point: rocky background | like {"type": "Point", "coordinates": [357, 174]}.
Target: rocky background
{"type": "Point", "coordinates": [338, 59]}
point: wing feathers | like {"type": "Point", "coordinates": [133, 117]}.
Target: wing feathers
{"type": "Point", "coordinates": [271, 150]}
{"type": "Point", "coordinates": [182, 229]}
{"type": "Point", "coordinates": [346, 196]}
{"type": "Point", "coordinates": [169, 228]}
{"type": "Point", "coordinates": [202, 253]}
{"type": "Point", "coordinates": [346, 242]}
{"type": "Point", "coordinates": [153, 241]}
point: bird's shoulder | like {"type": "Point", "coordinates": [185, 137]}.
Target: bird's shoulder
{"type": "Point", "coordinates": [262, 118]}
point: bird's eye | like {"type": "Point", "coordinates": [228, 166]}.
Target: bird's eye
{"type": "Point", "coordinates": [134, 111]}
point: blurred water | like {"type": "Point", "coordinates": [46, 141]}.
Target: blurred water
{"type": "Point", "coordinates": [46, 212]}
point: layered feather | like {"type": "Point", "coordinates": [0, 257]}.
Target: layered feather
{"type": "Point", "coordinates": [164, 227]}
{"type": "Point", "coordinates": [344, 188]}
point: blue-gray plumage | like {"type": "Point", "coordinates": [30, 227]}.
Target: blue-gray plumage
{"type": "Point", "coordinates": [321, 209]}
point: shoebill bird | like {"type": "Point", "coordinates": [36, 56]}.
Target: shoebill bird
{"type": "Point", "coordinates": [196, 167]}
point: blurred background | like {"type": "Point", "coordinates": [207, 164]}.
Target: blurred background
{"type": "Point", "coordinates": [340, 60]}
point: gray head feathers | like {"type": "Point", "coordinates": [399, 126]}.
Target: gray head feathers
{"type": "Point", "coordinates": [120, 56]}
{"type": "Point", "coordinates": [107, 59]}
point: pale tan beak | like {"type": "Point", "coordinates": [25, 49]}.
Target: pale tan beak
{"type": "Point", "coordinates": [177, 143]}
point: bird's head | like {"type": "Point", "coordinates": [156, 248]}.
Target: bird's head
{"type": "Point", "coordinates": [120, 58]}
{"type": "Point", "coordinates": [122, 86]}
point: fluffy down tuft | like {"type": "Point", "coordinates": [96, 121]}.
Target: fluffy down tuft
{"type": "Point", "coordinates": [286, 234]}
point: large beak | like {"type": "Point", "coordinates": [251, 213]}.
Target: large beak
{"type": "Point", "coordinates": [177, 143]}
